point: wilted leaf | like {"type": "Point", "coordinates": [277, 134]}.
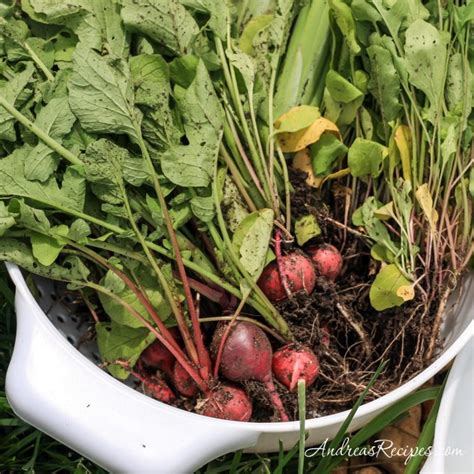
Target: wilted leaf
{"type": "Point", "coordinates": [302, 162]}
{"type": "Point", "coordinates": [425, 200]}
{"type": "Point", "coordinates": [297, 118]}
{"type": "Point", "coordinates": [341, 89]}
{"type": "Point", "coordinates": [403, 141]}
{"type": "Point", "coordinates": [299, 140]}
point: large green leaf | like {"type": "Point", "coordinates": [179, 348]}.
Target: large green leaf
{"type": "Point", "coordinates": [193, 165]}
{"type": "Point", "coordinates": [165, 21]}
{"type": "Point", "coordinates": [426, 54]}
{"type": "Point", "coordinates": [10, 91]}
{"type": "Point", "coordinates": [101, 93]}
{"type": "Point", "coordinates": [13, 182]}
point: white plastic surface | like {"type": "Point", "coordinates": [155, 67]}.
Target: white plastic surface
{"type": "Point", "coordinates": [54, 387]}
{"type": "Point", "coordinates": [454, 433]}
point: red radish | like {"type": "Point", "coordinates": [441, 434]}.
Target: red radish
{"type": "Point", "coordinates": [247, 355]}
{"type": "Point", "coordinates": [228, 403]}
{"type": "Point", "coordinates": [292, 363]}
{"type": "Point", "coordinates": [158, 357]}
{"type": "Point", "coordinates": [158, 389]}
{"type": "Point", "coordinates": [183, 383]}
{"type": "Point", "coordinates": [298, 271]}
{"type": "Point", "coordinates": [327, 260]}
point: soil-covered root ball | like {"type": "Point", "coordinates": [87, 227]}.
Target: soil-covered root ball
{"type": "Point", "coordinates": [297, 275]}
{"type": "Point", "coordinates": [327, 260]}
{"type": "Point", "coordinates": [292, 363]}
{"type": "Point", "coordinates": [227, 403]}
{"type": "Point", "coordinates": [183, 382]}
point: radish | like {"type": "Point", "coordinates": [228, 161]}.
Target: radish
{"type": "Point", "coordinates": [246, 354]}
{"type": "Point", "coordinates": [292, 363]}
{"type": "Point", "coordinates": [296, 269]}
{"type": "Point", "coordinates": [158, 389]}
{"type": "Point", "coordinates": [158, 357]}
{"type": "Point", "coordinates": [228, 403]}
{"type": "Point", "coordinates": [327, 260]}
{"type": "Point", "coordinates": [182, 381]}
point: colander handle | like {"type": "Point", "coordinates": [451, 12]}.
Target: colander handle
{"type": "Point", "coordinates": [56, 389]}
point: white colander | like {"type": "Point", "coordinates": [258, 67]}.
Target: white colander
{"type": "Point", "coordinates": [61, 391]}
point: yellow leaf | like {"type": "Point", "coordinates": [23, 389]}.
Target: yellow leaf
{"type": "Point", "coordinates": [404, 143]}
{"type": "Point", "coordinates": [385, 212]}
{"type": "Point", "coordinates": [296, 141]}
{"type": "Point", "coordinates": [336, 175]}
{"type": "Point", "coordinates": [302, 162]}
{"type": "Point", "coordinates": [297, 118]}
{"type": "Point", "coordinates": [406, 292]}
{"type": "Point", "coordinates": [425, 200]}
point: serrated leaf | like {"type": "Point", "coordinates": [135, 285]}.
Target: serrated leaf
{"type": "Point", "coordinates": [20, 253]}
{"type": "Point", "coordinates": [55, 119]}
{"type": "Point", "coordinates": [101, 93]}
{"type": "Point", "coordinates": [193, 165]}
{"type": "Point", "coordinates": [390, 288]}
{"type": "Point", "coordinates": [10, 92]}
{"type": "Point", "coordinates": [345, 21]}
{"type": "Point", "coordinates": [426, 53]}
{"type": "Point", "coordinates": [165, 21]}
{"type": "Point", "coordinates": [13, 183]}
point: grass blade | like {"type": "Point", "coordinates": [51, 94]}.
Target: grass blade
{"type": "Point", "coordinates": [302, 416]}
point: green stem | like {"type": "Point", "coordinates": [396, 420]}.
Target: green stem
{"type": "Point", "coordinates": [272, 315]}
{"type": "Point", "coordinates": [38, 62]}
{"type": "Point", "coordinates": [53, 144]}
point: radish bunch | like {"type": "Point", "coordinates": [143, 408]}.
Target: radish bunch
{"type": "Point", "coordinates": [297, 272]}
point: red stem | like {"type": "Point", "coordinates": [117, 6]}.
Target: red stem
{"type": "Point", "coordinates": [215, 294]}
{"type": "Point", "coordinates": [203, 355]}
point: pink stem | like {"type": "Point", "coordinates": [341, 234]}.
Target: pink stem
{"type": "Point", "coordinates": [275, 399]}
{"type": "Point", "coordinates": [283, 279]}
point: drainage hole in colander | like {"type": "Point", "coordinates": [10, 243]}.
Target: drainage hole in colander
{"type": "Point", "coordinates": [60, 319]}
{"type": "Point", "coordinates": [96, 357]}
{"type": "Point", "coordinates": [53, 296]}
{"type": "Point", "coordinates": [71, 339]}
